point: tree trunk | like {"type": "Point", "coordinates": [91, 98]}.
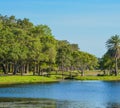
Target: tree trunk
{"type": "Point", "coordinates": [4, 68]}
{"type": "Point", "coordinates": [39, 71]}
{"type": "Point", "coordinates": [7, 69]}
{"type": "Point", "coordinates": [15, 69]}
{"type": "Point", "coordinates": [22, 69]}
{"type": "Point", "coordinates": [116, 67]}
{"type": "Point", "coordinates": [34, 71]}
{"type": "Point", "coordinates": [24, 66]}
{"type": "Point", "coordinates": [82, 72]}
{"type": "Point", "coordinates": [62, 72]}
{"type": "Point", "coordinates": [70, 74]}
{"type": "Point", "coordinates": [49, 70]}
{"type": "Point", "coordinates": [12, 68]}
{"type": "Point", "coordinates": [38, 68]}
{"type": "Point", "coordinates": [27, 68]}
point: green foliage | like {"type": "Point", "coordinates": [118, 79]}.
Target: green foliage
{"type": "Point", "coordinates": [113, 45]}
{"type": "Point", "coordinates": [84, 61]}
{"type": "Point", "coordinates": [27, 47]}
{"type": "Point", "coordinates": [106, 62]}
{"type": "Point", "coordinates": [64, 57]}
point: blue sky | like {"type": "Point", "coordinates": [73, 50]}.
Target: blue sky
{"type": "Point", "coordinates": [88, 23]}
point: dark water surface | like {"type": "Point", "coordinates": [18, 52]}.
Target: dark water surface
{"type": "Point", "coordinates": [66, 94]}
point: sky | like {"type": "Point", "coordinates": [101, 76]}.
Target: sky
{"type": "Point", "coordinates": [88, 23]}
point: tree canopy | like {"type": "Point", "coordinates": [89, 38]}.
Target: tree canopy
{"type": "Point", "coordinates": [25, 47]}
{"type": "Point", "coordinates": [110, 59]}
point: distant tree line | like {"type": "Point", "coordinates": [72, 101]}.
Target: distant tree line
{"type": "Point", "coordinates": [25, 47]}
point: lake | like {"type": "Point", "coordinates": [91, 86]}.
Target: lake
{"type": "Point", "coordinates": [65, 94]}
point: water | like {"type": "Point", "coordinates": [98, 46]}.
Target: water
{"type": "Point", "coordinates": [66, 94]}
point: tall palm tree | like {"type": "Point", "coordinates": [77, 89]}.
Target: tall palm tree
{"type": "Point", "coordinates": [113, 45]}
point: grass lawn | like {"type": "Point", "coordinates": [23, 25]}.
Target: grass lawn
{"type": "Point", "coordinates": [104, 78]}
{"type": "Point", "coordinates": [25, 79]}
{"type": "Point", "coordinates": [7, 80]}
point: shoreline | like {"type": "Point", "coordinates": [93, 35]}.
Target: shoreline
{"type": "Point", "coordinates": [99, 78]}
{"type": "Point", "coordinates": [18, 80]}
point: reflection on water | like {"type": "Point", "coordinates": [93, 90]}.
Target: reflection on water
{"type": "Point", "coordinates": [67, 94]}
{"type": "Point", "coordinates": [113, 105]}
{"type": "Point", "coordinates": [26, 103]}
{"type": "Point", "coordinates": [47, 103]}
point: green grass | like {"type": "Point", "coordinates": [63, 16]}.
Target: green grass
{"type": "Point", "coordinates": [90, 75]}
{"type": "Point", "coordinates": [7, 80]}
{"type": "Point", "coordinates": [106, 78]}
{"type": "Point", "coordinates": [25, 79]}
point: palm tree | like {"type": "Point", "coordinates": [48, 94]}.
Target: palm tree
{"type": "Point", "coordinates": [113, 45]}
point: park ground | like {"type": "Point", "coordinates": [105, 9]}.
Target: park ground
{"type": "Point", "coordinates": [89, 75]}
